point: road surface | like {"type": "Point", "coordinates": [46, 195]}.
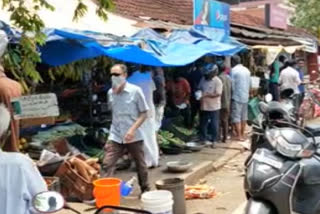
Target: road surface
{"type": "Point", "coordinates": [228, 182]}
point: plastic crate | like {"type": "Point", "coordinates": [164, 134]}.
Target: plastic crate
{"type": "Point", "coordinates": [253, 108]}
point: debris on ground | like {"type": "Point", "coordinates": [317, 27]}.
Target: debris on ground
{"type": "Point", "coordinates": [200, 192]}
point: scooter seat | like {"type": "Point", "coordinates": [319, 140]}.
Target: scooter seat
{"type": "Point", "coordinates": [314, 129]}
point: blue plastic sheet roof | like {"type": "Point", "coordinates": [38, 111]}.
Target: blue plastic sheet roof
{"type": "Point", "coordinates": [146, 47]}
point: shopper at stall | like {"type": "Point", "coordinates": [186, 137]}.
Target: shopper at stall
{"type": "Point", "coordinates": [300, 69]}
{"type": "Point", "coordinates": [20, 180]}
{"type": "Point", "coordinates": [180, 91]}
{"type": "Point", "coordinates": [143, 79]}
{"type": "Point", "coordinates": [211, 90]}
{"type": "Point", "coordinates": [274, 79]}
{"type": "Point", "coordinates": [241, 81]}
{"type": "Point", "coordinates": [225, 102]}
{"type": "Point", "coordinates": [159, 96]}
{"type": "Point", "coordinates": [289, 77]}
{"type": "Point", "coordinates": [194, 76]}
{"type": "Point", "coordinates": [282, 62]}
{"type": "Point", "coordinates": [10, 89]}
{"type": "Point", "coordinates": [129, 111]}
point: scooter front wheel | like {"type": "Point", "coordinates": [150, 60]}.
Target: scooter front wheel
{"type": "Point", "coordinates": [259, 207]}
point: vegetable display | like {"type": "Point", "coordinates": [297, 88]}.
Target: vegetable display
{"type": "Point", "coordinates": [88, 169]}
{"type": "Point", "coordinates": [168, 140]}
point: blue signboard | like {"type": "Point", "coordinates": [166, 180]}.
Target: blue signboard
{"type": "Point", "coordinates": [212, 13]}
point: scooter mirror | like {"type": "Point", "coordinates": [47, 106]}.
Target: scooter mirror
{"type": "Point", "coordinates": [48, 202]}
{"type": "Point", "coordinates": [268, 98]}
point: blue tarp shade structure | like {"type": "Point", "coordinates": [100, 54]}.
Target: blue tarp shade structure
{"type": "Point", "coordinates": [182, 47]}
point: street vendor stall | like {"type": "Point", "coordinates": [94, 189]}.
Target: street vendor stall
{"type": "Point", "coordinates": [63, 149]}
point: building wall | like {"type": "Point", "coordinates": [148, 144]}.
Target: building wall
{"type": "Point", "coordinates": [250, 2]}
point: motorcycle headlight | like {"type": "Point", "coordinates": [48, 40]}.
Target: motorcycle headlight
{"type": "Point", "coordinates": [287, 149]}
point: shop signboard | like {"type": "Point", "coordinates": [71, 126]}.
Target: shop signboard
{"type": "Point", "coordinates": [212, 13]}
{"type": "Point", "coordinates": [35, 106]}
{"type": "Point", "coordinates": [276, 17]}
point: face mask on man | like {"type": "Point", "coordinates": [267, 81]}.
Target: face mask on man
{"type": "Point", "coordinates": [117, 81]}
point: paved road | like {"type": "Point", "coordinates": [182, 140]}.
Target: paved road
{"type": "Point", "coordinates": [229, 185]}
{"type": "Point", "coordinates": [217, 155]}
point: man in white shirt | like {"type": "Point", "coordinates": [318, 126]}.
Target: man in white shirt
{"type": "Point", "coordinates": [20, 180]}
{"type": "Point", "coordinates": [129, 112]}
{"type": "Point", "coordinates": [211, 88]}
{"type": "Point", "coordinates": [143, 79]}
{"type": "Point", "coordinates": [241, 82]}
{"type": "Point", "coordinates": [289, 77]}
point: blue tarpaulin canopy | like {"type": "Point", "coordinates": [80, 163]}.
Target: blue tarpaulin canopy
{"type": "Point", "coordinates": [146, 47]}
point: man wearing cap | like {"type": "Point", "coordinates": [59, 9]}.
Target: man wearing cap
{"type": "Point", "coordinates": [211, 90]}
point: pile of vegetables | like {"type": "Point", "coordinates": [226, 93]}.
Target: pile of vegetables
{"type": "Point", "coordinates": [88, 169]}
{"type": "Point", "coordinates": [168, 140]}
{"type": "Point", "coordinates": [59, 132]}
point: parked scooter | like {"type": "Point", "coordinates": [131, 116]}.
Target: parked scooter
{"type": "Point", "coordinates": [275, 113]}
{"type": "Point", "coordinates": [283, 177]}
{"type": "Point", "coordinates": [51, 202]}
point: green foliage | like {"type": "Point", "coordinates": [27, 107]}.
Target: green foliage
{"type": "Point", "coordinates": [307, 15]}
{"type": "Point", "coordinates": [21, 61]}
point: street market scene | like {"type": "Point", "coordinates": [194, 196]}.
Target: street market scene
{"type": "Point", "coordinates": [160, 107]}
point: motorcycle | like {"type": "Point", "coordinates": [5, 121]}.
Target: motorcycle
{"type": "Point", "coordinates": [285, 110]}
{"type": "Point", "coordinates": [51, 202]}
{"type": "Point", "coordinates": [273, 111]}
{"type": "Point", "coordinates": [283, 177]}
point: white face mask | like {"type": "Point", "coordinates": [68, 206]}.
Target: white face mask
{"type": "Point", "coordinates": [117, 81]}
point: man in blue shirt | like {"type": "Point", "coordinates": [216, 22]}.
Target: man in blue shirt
{"type": "Point", "coordinates": [241, 82]}
{"type": "Point", "coordinates": [129, 112]}
{"type": "Point", "coordinates": [20, 179]}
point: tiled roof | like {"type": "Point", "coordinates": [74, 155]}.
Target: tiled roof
{"type": "Point", "coordinates": [180, 12]}
{"type": "Point", "coordinates": [177, 11]}
{"type": "Point", "coordinates": [246, 19]}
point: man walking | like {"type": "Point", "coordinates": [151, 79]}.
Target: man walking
{"type": "Point", "coordinates": [129, 111]}
{"type": "Point", "coordinates": [225, 102]}
{"type": "Point", "coordinates": [211, 88]}
{"type": "Point", "coordinates": [240, 78]}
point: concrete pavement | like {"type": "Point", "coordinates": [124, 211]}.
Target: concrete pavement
{"type": "Point", "coordinates": [228, 183]}
{"type": "Point", "coordinates": [204, 162]}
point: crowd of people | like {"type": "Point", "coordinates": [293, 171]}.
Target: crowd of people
{"type": "Point", "coordinates": [138, 99]}
{"type": "Point", "coordinates": [287, 74]}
